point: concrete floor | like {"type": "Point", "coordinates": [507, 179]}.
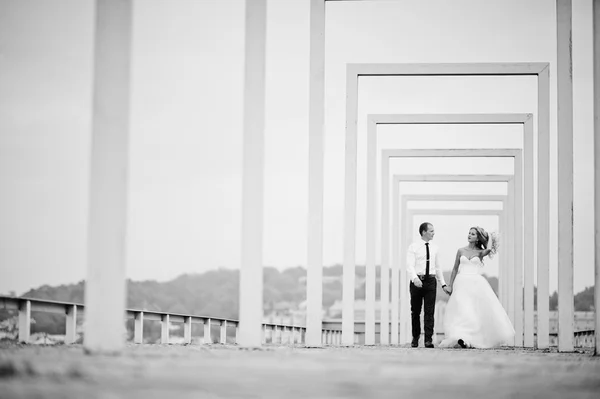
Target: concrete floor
{"type": "Point", "coordinates": [216, 371]}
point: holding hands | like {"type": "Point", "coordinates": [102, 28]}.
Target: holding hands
{"type": "Point", "coordinates": [447, 289]}
{"type": "Point", "coordinates": [417, 282]}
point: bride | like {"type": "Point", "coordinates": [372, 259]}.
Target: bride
{"type": "Point", "coordinates": [474, 317]}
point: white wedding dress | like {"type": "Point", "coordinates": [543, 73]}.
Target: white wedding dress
{"type": "Point", "coordinates": [474, 313]}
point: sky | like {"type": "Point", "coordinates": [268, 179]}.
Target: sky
{"type": "Point", "coordinates": [184, 210]}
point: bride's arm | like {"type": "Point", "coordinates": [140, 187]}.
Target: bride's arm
{"type": "Point", "coordinates": [454, 270]}
{"type": "Point", "coordinates": [486, 251]}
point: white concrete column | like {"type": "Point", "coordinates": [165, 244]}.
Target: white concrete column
{"type": "Point", "coordinates": [394, 340]}
{"type": "Point", "coordinates": [405, 312]}
{"type": "Point", "coordinates": [543, 220]}
{"type": "Point", "coordinates": [223, 331]}
{"type": "Point", "coordinates": [503, 265]}
{"type": "Point", "coordinates": [187, 330]}
{"type": "Point", "coordinates": [251, 271]}
{"type": "Point", "coordinates": [596, 49]}
{"type": "Point", "coordinates": [24, 321]}
{"type": "Point", "coordinates": [349, 211]}
{"type": "Point", "coordinates": [564, 97]}
{"type": "Point", "coordinates": [71, 324]}
{"type": "Point", "coordinates": [510, 273]}
{"type": "Point", "coordinates": [165, 323]}
{"type": "Point", "coordinates": [316, 132]}
{"type": "Point", "coordinates": [138, 329]}
{"type": "Point", "coordinates": [207, 336]}
{"type": "Point", "coordinates": [103, 327]}
{"type": "Point", "coordinates": [384, 320]}
{"type": "Point", "coordinates": [371, 231]}
{"type": "Point", "coordinates": [519, 275]}
{"type": "Point", "coordinates": [529, 234]}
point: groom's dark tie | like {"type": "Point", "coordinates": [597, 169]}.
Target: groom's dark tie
{"type": "Point", "coordinates": [427, 260]}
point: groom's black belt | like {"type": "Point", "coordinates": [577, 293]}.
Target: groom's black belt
{"type": "Point", "coordinates": [423, 277]}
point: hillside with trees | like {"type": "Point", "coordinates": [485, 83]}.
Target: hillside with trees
{"type": "Point", "coordinates": [215, 293]}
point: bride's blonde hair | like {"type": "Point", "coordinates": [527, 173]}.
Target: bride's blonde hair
{"type": "Point", "coordinates": [482, 240]}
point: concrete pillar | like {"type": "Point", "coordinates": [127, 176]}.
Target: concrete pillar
{"type": "Point", "coordinates": [165, 323]}
{"type": "Point", "coordinates": [138, 329]}
{"type": "Point", "coordinates": [510, 273]}
{"type": "Point", "coordinates": [519, 275]}
{"type": "Point", "coordinates": [371, 233]}
{"type": "Point", "coordinates": [71, 324]}
{"type": "Point", "coordinates": [207, 336]}
{"type": "Point", "coordinates": [596, 47]}
{"type": "Point", "coordinates": [251, 271]}
{"type": "Point", "coordinates": [529, 234]}
{"type": "Point", "coordinates": [108, 179]}
{"type": "Point", "coordinates": [24, 321]}
{"type": "Point", "coordinates": [384, 320]}
{"type": "Point", "coordinates": [187, 330]}
{"type": "Point", "coordinates": [565, 176]}
{"type": "Point", "coordinates": [543, 220]}
{"type": "Point", "coordinates": [394, 340]}
{"type": "Point", "coordinates": [223, 331]}
{"type": "Point", "coordinates": [349, 267]}
{"type": "Point", "coordinates": [316, 127]}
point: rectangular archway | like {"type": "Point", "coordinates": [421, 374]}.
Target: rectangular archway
{"type": "Point", "coordinates": [373, 121]}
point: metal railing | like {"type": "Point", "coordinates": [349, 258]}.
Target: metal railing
{"type": "Point", "coordinates": [283, 333]}
{"type": "Point", "coordinates": [275, 333]}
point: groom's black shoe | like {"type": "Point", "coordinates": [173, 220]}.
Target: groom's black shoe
{"type": "Point", "coordinates": [462, 343]}
{"type": "Point", "coordinates": [429, 344]}
{"type": "Point", "coordinates": [414, 343]}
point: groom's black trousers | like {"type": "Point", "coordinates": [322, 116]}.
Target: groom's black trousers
{"type": "Point", "coordinates": [418, 296]}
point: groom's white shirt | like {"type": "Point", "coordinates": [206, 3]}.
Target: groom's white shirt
{"type": "Point", "coordinates": [416, 258]}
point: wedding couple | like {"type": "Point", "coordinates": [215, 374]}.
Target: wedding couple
{"type": "Point", "coordinates": [474, 317]}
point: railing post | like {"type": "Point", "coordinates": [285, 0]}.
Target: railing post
{"type": "Point", "coordinates": [24, 321]}
{"type": "Point", "coordinates": [207, 337]}
{"type": "Point", "coordinates": [223, 337]}
{"type": "Point", "coordinates": [164, 331]}
{"type": "Point", "coordinates": [71, 324]}
{"type": "Point", "coordinates": [187, 330]}
{"type": "Point", "coordinates": [138, 328]}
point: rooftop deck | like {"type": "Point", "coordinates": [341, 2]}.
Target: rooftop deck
{"type": "Point", "coordinates": [226, 371]}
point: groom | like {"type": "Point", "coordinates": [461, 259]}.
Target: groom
{"type": "Point", "coordinates": [422, 264]}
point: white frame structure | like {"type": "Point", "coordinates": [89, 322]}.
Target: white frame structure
{"type": "Point", "coordinates": [502, 199]}
{"type": "Point", "coordinates": [111, 89]}
{"type": "Point", "coordinates": [373, 120]}
{"type": "Point", "coordinates": [511, 298]}
{"type": "Point", "coordinates": [354, 72]}
{"type": "Point", "coordinates": [565, 160]}
{"type": "Point", "coordinates": [454, 212]}
{"type": "Point", "coordinates": [505, 228]}
{"type": "Point", "coordinates": [457, 153]}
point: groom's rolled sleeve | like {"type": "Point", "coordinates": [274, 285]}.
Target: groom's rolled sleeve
{"type": "Point", "coordinates": [410, 262]}
{"type": "Point", "coordinates": [438, 270]}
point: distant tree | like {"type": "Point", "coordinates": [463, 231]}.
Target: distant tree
{"type": "Point", "coordinates": [554, 301]}
{"type": "Point", "coordinates": [216, 293]}
{"type": "Point", "coordinates": [584, 301]}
